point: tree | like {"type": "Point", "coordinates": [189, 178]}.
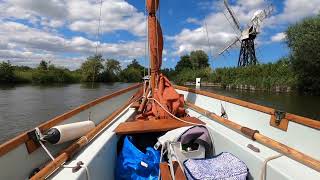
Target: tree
{"type": "Point", "coordinates": [111, 71]}
{"type": "Point", "coordinates": [184, 63]}
{"type": "Point", "coordinates": [199, 59]}
{"type": "Point", "coordinates": [6, 72]}
{"type": "Point", "coordinates": [304, 41]}
{"type": "Point", "coordinates": [131, 75]}
{"type": "Point", "coordinates": [135, 64]}
{"type": "Point", "coordinates": [133, 72]}
{"type": "Point", "coordinates": [43, 65]}
{"type": "Point", "coordinates": [113, 66]}
{"type": "Point", "coordinates": [91, 68]}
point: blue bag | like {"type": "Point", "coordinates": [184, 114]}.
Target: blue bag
{"type": "Point", "coordinates": [134, 164]}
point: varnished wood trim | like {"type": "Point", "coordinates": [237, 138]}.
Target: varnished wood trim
{"type": "Point", "coordinates": [68, 153]}
{"type": "Point", "coordinates": [283, 123]}
{"type": "Point", "coordinates": [22, 138]}
{"type": "Point", "coordinates": [275, 145]}
{"type": "Point", "coordinates": [291, 117]}
{"type": "Point", "coordinates": [158, 125]}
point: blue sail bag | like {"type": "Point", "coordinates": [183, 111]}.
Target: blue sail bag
{"type": "Point", "coordinates": [132, 164]}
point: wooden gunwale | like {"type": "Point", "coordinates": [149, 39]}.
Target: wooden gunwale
{"type": "Point", "coordinates": [291, 117]}
{"type": "Point", "coordinates": [68, 153]}
{"type": "Point", "coordinates": [22, 138]}
{"type": "Point", "coordinates": [284, 149]}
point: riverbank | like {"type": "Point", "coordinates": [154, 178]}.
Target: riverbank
{"type": "Point", "coordinates": [283, 89]}
{"type": "Point", "coordinates": [274, 77]}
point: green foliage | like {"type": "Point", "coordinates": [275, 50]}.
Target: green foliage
{"type": "Point", "coordinates": [168, 72]}
{"type": "Point", "coordinates": [188, 75]}
{"type": "Point", "coordinates": [189, 67]}
{"type": "Point", "coordinates": [199, 59]}
{"type": "Point", "coordinates": [131, 75]}
{"type": "Point", "coordinates": [303, 39]}
{"type": "Point", "coordinates": [112, 69]}
{"type": "Point", "coordinates": [51, 74]}
{"type": "Point", "coordinates": [91, 68]}
{"type": "Point", "coordinates": [184, 63]}
{"type": "Point", "coordinates": [133, 72]}
{"type": "Point", "coordinates": [6, 72]}
{"type": "Point", "coordinates": [196, 60]}
{"type": "Point", "coordinates": [43, 65]}
{"type": "Point", "coordinates": [263, 76]}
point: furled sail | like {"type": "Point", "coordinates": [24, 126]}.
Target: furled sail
{"type": "Point", "coordinates": [164, 102]}
{"type": "Point", "coordinates": [155, 41]}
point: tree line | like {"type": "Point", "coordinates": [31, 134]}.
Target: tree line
{"type": "Point", "coordinates": [94, 69]}
{"type": "Point", "coordinates": [300, 70]}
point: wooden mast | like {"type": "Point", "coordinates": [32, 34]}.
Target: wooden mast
{"type": "Point", "coordinates": [155, 42]}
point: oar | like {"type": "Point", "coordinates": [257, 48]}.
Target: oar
{"type": "Point", "coordinates": [68, 153]}
{"type": "Point", "coordinates": [255, 135]}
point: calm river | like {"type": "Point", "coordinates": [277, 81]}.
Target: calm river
{"type": "Point", "coordinates": [23, 107]}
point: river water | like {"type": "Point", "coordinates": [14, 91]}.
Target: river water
{"type": "Point", "coordinates": [303, 105]}
{"type": "Point", "coordinates": [23, 107]}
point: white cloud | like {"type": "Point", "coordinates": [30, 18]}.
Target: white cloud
{"type": "Point", "coordinates": [192, 20]}
{"type": "Point", "coordinates": [220, 31]}
{"type": "Point", "coordinates": [295, 10]}
{"type": "Point", "coordinates": [39, 38]}
{"type": "Point", "coordinates": [278, 37]}
{"type": "Point", "coordinates": [19, 41]}
{"type": "Point", "coordinates": [79, 15]}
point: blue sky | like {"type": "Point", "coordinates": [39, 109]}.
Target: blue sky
{"type": "Point", "coordinates": [64, 31]}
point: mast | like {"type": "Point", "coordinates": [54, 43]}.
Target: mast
{"type": "Point", "coordinates": [155, 42]}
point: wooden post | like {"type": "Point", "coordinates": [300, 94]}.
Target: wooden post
{"type": "Point", "coordinates": [281, 148]}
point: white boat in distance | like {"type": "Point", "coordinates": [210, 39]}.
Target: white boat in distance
{"type": "Point", "coordinates": [274, 145]}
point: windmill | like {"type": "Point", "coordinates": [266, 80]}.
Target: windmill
{"type": "Point", "coordinates": [247, 55]}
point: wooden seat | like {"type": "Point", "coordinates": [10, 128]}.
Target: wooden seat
{"type": "Point", "coordinates": [165, 171]}
{"type": "Point", "coordinates": [159, 125]}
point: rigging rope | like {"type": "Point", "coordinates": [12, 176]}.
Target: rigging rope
{"type": "Point", "coordinates": [172, 115]}
{"type": "Point", "coordinates": [97, 42]}
{"type": "Point", "coordinates": [208, 39]}
{"type": "Point", "coordinates": [98, 30]}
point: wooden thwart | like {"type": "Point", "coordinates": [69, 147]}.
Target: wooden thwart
{"type": "Point", "coordinates": [159, 125]}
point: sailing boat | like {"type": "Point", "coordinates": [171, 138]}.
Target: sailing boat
{"type": "Point", "coordinates": [272, 144]}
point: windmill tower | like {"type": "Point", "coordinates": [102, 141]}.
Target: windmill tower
{"type": "Point", "coordinates": [247, 55]}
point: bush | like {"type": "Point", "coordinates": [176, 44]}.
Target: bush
{"type": "Point", "coordinates": [131, 75]}
{"type": "Point", "coordinates": [6, 72]}
{"type": "Point", "coordinates": [304, 42]}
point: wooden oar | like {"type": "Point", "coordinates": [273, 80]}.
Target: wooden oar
{"type": "Point", "coordinates": [255, 135]}
{"type": "Point", "coordinates": [78, 145]}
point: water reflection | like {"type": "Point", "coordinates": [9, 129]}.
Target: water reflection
{"type": "Point", "coordinates": [300, 104]}
{"type": "Point", "coordinates": [23, 107]}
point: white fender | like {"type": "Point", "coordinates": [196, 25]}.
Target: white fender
{"type": "Point", "coordinates": [68, 132]}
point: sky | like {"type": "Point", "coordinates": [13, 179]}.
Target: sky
{"type": "Point", "coordinates": [64, 32]}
